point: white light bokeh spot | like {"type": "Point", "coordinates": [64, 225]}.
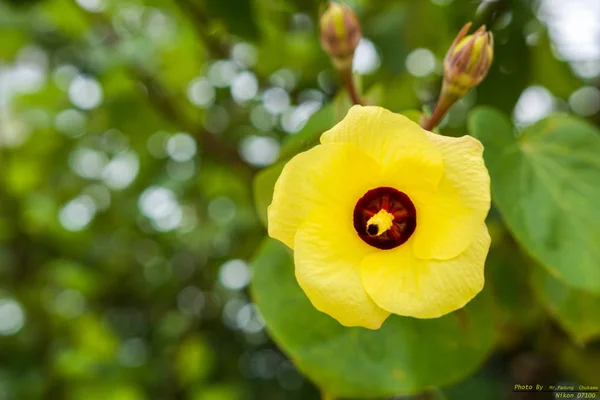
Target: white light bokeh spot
{"type": "Point", "coordinates": [221, 73]}
{"type": "Point", "coordinates": [276, 100]}
{"type": "Point", "coordinates": [85, 92]}
{"type": "Point", "coordinates": [249, 319]}
{"type": "Point", "coordinates": [221, 210]}
{"type": "Point", "coordinates": [420, 62]}
{"type": "Point", "coordinates": [158, 26]}
{"type": "Point", "coordinates": [161, 206]}
{"type": "Point", "coordinates": [181, 147]}
{"type": "Point", "coordinates": [71, 122]}
{"type": "Point", "coordinates": [585, 101]}
{"type": "Point", "coordinates": [26, 78]}
{"type": "Point", "coordinates": [92, 5]}
{"type": "Point", "coordinates": [235, 274]}
{"type": "Point", "coordinates": [575, 31]}
{"type": "Point", "coordinates": [244, 53]}
{"type": "Point", "coordinates": [244, 87]}
{"type": "Point", "coordinates": [12, 317]}
{"type": "Point", "coordinates": [535, 103]}
{"type": "Point", "coordinates": [88, 163]}
{"type": "Point", "coordinates": [366, 58]}
{"type": "Point", "coordinates": [285, 78]}
{"type": "Point", "coordinates": [122, 170]}
{"type": "Point", "coordinates": [260, 150]}
{"type": "Point", "coordinates": [13, 130]}
{"type": "Point", "coordinates": [77, 213]}
{"type": "Point", "coordinates": [295, 118]}
{"type": "Point", "coordinates": [28, 75]}
{"type": "Point", "coordinates": [201, 93]}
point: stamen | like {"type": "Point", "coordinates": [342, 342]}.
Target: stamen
{"type": "Point", "coordinates": [379, 223]}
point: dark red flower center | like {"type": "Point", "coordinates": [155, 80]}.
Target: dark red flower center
{"type": "Point", "coordinates": [397, 207]}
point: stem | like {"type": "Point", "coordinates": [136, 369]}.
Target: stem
{"type": "Point", "coordinates": [350, 86]}
{"type": "Point", "coordinates": [441, 108]}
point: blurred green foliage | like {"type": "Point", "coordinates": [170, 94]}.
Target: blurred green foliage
{"type": "Point", "coordinates": [132, 138]}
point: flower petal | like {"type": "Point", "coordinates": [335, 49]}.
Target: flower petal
{"type": "Point", "coordinates": [327, 256]}
{"type": "Point", "coordinates": [399, 145]}
{"type": "Point", "coordinates": [449, 219]}
{"type": "Point", "coordinates": [404, 285]}
{"type": "Point", "coordinates": [334, 175]}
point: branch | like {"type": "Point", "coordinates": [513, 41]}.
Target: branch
{"type": "Point", "coordinates": [215, 48]}
{"type": "Point", "coordinates": [165, 103]}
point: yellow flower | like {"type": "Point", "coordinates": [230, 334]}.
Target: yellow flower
{"type": "Point", "coordinates": [385, 217]}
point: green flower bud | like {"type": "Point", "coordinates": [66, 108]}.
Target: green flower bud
{"type": "Point", "coordinates": [340, 33]}
{"type": "Point", "coordinates": [468, 60]}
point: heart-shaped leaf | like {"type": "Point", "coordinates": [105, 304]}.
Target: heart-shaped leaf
{"type": "Point", "coordinates": [546, 184]}
{"type": "Point", "coordinates": [406, 355]}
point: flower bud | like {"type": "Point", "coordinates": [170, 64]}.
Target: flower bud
{"type": "Point", "coordinates": [340, 33]}
{"type": "Point", "coordinates": [468, 60]}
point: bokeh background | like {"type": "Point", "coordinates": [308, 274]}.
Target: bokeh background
{"type": "Point", "coordinates": [130, 133]}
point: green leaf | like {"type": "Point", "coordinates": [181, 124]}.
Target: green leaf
{"type": "Point", "coordinates": [507, 270]}
{"type": "Point", "coordinates": [575, 310]}
{"type": "Point", "coordinates": [263, 189]}
{"type": "Point", "coordinates": [545, 184]}
{"type": "Point", "coordinates": [486, 384]}
{"type": "Point", "coordinates": [405, 356]}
